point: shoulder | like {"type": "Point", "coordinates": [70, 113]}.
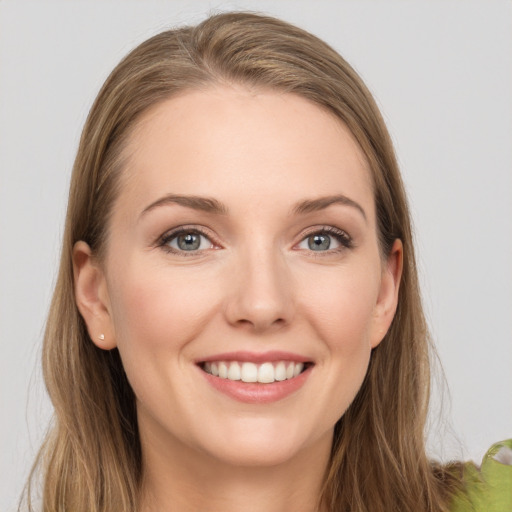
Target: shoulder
{"type": "Point", "coordinates": [487, 488]}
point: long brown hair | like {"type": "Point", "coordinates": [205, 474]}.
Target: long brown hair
{"type": "Point", "coordinates": [91, 459]}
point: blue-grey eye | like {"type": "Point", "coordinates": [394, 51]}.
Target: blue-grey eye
{"type": "Point", "coordinates": [319, 242]}
{"type": "Point", "coordinates": [189, 241]}
{"type": "Point", "coordinates": [322, 241]}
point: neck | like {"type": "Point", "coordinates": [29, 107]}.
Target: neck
{"type": "Point", "coordinates": [181, 479]}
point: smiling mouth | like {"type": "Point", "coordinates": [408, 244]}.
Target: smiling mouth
{"type": "Point", "coordinates": [264, 373]}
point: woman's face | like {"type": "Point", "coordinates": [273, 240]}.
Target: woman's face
{"type": "Point", "coordinates": [243, 244]}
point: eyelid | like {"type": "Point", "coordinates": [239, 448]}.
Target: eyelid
{"type": "Point", "coordinates": [164, 239]}
{"type": "Point", "coordinates": [345, 240]}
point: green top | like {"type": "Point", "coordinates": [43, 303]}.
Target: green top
{"type": "Point", "coordinates": [488, 488]}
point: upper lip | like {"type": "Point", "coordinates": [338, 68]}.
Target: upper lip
{"type": "Point", "coordinates": [256, 357]}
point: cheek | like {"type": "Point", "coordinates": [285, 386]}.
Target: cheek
{"type": "Point", "coordinates": [341, 308]}
{"type": "Point", "coordinates": [157, 312]}
{"type": "Point", "coordinates": [342, 320]}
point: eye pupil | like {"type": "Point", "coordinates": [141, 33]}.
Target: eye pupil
{"type": "Point", "coordinates": [189, 242]}
{"type": "Point", "coordinates": [319, 242]}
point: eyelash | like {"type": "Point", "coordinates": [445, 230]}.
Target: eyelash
{"type": "Point", "coordinates": [341, 236]}
{"type": "Point", "coordinates": [168, 237]}
{"type": "Point", "coordinates": [344, 239]}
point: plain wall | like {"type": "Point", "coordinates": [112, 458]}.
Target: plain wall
{"type": "Point", "coordinates": [442, 73]}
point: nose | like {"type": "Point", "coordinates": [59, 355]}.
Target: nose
{"type": "Point", "coordinates": [261, 296]}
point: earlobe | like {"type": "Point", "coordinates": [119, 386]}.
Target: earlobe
{"type": "Point", "coordinates": [91, 296]}
{"type": "Point", "coordinates": [387, 301]}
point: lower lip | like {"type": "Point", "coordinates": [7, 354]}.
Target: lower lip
{"type": "Point", "coordinates": [257, 393]}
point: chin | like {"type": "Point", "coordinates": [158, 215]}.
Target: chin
{"type": "Point", "coordinates": [250, 453]}
{"type": "Point", "coordinates": [261, 444]}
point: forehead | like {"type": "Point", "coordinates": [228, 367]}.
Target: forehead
{"type": "Point", "coordinates": [243, 145]}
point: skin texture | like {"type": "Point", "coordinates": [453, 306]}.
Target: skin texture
{"type": "Point", "coordinates": [253, 285]}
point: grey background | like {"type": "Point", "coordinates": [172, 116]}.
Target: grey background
{"type": "Point", "coordinates": [442, 73]}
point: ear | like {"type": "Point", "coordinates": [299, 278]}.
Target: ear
{"type": "Point", "coordinates": [387, 300]}
{"type": "Point", "coordinates": [91, 295]}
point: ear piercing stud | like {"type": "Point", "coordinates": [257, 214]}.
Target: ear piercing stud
{"type": "Point", "coordinates": [102, 337]}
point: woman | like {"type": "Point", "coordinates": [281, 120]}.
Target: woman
{"type": "Point", "coordinates": [237, 322]}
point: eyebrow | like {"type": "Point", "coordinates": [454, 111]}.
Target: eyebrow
{"type": "Point", "coordinates": [314, 205]}
{"type": "Point", "coordinates": [205, 204]}
{"type": "Point", "coordinates": [211, 205]}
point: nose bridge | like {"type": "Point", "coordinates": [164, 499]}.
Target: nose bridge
{"type": "Point", "coordinates": [262, 288]}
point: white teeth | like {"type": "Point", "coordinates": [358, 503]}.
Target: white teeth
{"type": "Point", "coordinates": [234, 371]}
{"type": "Point", "coordinates": [264, 373]}
{"type": "Point", "coordinates": [280, 371]}
{"type": "Point", "coordinates": [249, 372]}
{"type": "Point", "coordinates": [289, 371]}
{"type": "Point", "coordinates": [298, 368]}
{"type": "Point", "coordinates": [223, 370]}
